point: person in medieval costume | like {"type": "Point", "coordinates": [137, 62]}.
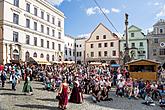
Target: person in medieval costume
{"type": "Point", "coordinates": [27, 88]}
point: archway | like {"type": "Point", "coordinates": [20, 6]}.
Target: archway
{"type": "Point", "coordinates": [27, 55]}
{"type": "Point", "coordinates": [47, 57]}
{"type": "Point", "coordinates": [15, 55]}
{"type": "Point", "coordinates": [42, 55]}
{"type": "Point", "coordinates": [35, 55]}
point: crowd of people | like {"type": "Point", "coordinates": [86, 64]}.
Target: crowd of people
{"type": "Point", "coordinates": [76, 80]}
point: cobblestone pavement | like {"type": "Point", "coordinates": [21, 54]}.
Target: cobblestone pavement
{"type": "Point", "coordinates": [45, 100]}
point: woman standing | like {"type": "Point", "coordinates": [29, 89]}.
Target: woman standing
{"type": "Point", "coordinates": [27, 86]}
{"type": "Point", "coordinates": [63, 93]}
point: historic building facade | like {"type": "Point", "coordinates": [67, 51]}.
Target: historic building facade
{"type": "Point", "coordinates": [30, 28]}
{"type": "Point", "coordinates": [102, 46]}
{"type": "Point", "coordinates": [137, 42]}
{"type": "Point", "coordinates": [69, 48]}
{"type": "Point", "coordinates": [80, 50]}
{"type": "Point", "coordinates": [156, 42]}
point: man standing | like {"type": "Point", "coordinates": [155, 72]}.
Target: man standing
{"type": "Point", "coordinates": [3, 77]}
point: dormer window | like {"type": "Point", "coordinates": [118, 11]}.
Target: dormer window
{"type": "Point", "coordinates": [97, 37]}
{"type": "Point", "coordinates": [132, 34]}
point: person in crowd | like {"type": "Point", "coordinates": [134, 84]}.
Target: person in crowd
{"type": "Point", "coordinates": [76, 95]}
{"type": "Point", "coordinates": [27, 88]}
{"type": "Point", "coordinates": [120, 88]}
{"type": "Point", "coordinates": [129, 87]}
{"type": "Point", "coordinates": [3, 77]}
{"type": "Point", "coordinates": [14, 80]}
{"type": "Point", "coordinates": [63, 93]}
{"type": "Point", "coordinates": [96, 94]}
{"type": "Point", "coordinates": [136, 88]}
{"type": "Point", "coordinates": [104, 95]}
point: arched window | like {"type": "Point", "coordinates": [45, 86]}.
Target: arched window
{"type": "Point", "coordinates": [15, 55]}
{"type": "Point", "coordinates": [47, 57]}
{"type": "Point", "coordinates": [52, 57]}
{"type": "Point", "coordinates": [42, 55]}
{"type": "Point", "coordinates": [35, 54]}
{"type": "Point", "coordinates": [27, 55]}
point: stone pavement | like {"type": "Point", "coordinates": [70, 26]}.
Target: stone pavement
{"type": "Point", "coordinates": [45, 100]}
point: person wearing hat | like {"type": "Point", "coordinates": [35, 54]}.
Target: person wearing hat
{"type": "Point", "coordinates": [76, 95]}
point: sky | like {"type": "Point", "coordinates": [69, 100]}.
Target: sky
{"type": "Point", "coordinates": [82, 16]}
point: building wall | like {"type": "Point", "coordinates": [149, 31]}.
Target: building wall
{"type": "Point", "coordinates": [21, 46]}
{"type": "Point", "coordinates": [69, 48]}
{"type": "Point", "coordinates": [156, 42]}
{"type": "Point", "coordinates": [141, 52]}
{"type": "Point", "coordinates": [80, 50]}
{"type": "Point", "coordinates": [101, 30]}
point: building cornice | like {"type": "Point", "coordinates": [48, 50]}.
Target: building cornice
{"type": "Point", "coordinates": [103, 41]}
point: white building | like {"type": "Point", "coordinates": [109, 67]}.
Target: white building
{"type": "Point", "coordinates": [80, 50]}
{"type": "Point", "coordinates": [69, 48]}
{"type": "Point", "coordinates": [30, 28]}
{"type": "Point", "coordinates": [102, 46]}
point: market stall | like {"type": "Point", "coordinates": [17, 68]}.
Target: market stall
{"type": "Point", "coordinates": [145, 69]}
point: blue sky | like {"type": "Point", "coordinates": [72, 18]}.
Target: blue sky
{"type": "Point", "coordinates": [82, 16]}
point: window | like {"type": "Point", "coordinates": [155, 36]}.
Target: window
{"type": "Point", "coordinates": [113, 53]}
{"type": "Point", "coordinates": [66, 51]}
{"type": "Point", "coordinates": [42, 15]}
{"type": "Point", "coordinates": [35, 55]}
{"type": "Point", "coordinates": [59, 47]}
{"type": "Point", "coordinates": [52, 45]}
{"type": "Point", "coordinates": [53, 32]}
{"type": "Point", "coordinates": [16, 3]}
{"type": "Point", "coordinates": [105, 44]}
{"type": "Point", "coordinates": [53, 20]}
{"type": "Point", "coordinates": [132, 45]}
{"type": "Point", "coordinates": [154, 52]}
{"type": "Point", "coordinates": [59, 35]}
{"type": "Point", "coordinates": [52, 57]}
{"type": "Point", "coordinates": [80, 45]}
{"type": "Point", "coordinates": [105, 53]}
{"type": "Point", "coordinates": [28, 23]}
{"type": "Point", "coordinates": [15, 36]}
{"type": "Point", "coordinates": [161, 31]}
{"type": "Point", "coordinates": [28, 7]}
{"type": "Point", "coordinates": [97, 37]}
{"type": "Point", "coordinates": [15, 18]}
{"type": "Point", "coordinates": [42, 28]}
{"type": "Point", "coordinates": [47, 30]}
{"type": "Point", "coordinates": [42, 55]}
{"type": "Point", "coordinates": [99, 45]}
{"type": "Point", "coordinates": [162, 51]}
{"type": "Point", "coordinates": [132, 34]}
{"type": "Point", "coordinates": [91, 45]}
{"type": "Point", "coordinates": [156, 40]}
{"type": "Point", "coordinates": [77, 54]}
{"type": "Point", "coordinates": [35, 11]}
{"type": "Point", "coordinates": [27, 39]}
{"type": "Point", "coordinates": [47, 57]}
{"type": "Point", "coordinates": [70, 52]}
{"type": "Point", "coordinates": [47, 44]}
{"type": "Point", "coordinates": [74, 53]}
{"type": "Point", "coordinates": [48, 17]}
{"type": "Point", "coordinates": [59, 23]}
{"type": "Point", "coordinates": [80, 54]}
{"type": "Point", "coordinates": [141, 44]}
{"type": "Point", "coordinates": [104, 36]}
{"type": "Point", "coordinates": [35, 41]}
{"type": "Point", "coordinates": [112, 44]}
{"type": "Point", "coordinates": [92, 54]}
{"type": "Point", "coordinates": [124, 44]}
{"type": "Point", "coordinates": [35, 26]}
{"type": "Point", "coordinates": [42, 43]}
{"type": "Point", "coordinates": [27, 55]}
{"type": "Point", "coordinates": [99, 53]}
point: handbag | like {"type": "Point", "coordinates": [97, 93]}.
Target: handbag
{"type": "Point", "coordinates": [58, 97]}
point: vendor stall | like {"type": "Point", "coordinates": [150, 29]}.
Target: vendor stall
{"type": "Point", "coordinates": [145, 69]}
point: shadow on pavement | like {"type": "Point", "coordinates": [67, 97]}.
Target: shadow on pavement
{"type": "Point", "coordinates": [5, 89]}
{"type": "Point", "coordinates": [39, 89]}
{"type": "Point", "coordinates": [46, 99]}
{"type": "Point", "coordinates": [10, 94]}
{"type": "Point", "coordinates": [32, 106]}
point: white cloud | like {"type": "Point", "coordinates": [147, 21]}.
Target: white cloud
{"type": "Point", "coordinates": [161, 13]}
{"type": "Point", "coordinates": [95, 10]}
{"type": "Point", "coordinates": [84, 35]}
{"type": "Point", "coordinates": [57, 2]}
{"type": "Point", "coordinates": [156, 3]}
{"type": "Point", "coordinates": [114, 10]}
